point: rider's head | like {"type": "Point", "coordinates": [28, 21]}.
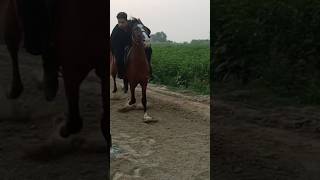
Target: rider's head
{"type": "Point", "coordinates": [122, 20]}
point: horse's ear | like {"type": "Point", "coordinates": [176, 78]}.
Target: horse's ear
{"type": "Point", "coordinates": [148, 30]}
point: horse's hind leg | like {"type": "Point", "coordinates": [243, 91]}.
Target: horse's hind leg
{"type": "Point", "coordinates": [114, 70]}
{"type": "Point", "coordinates": [12, 36]}
{"type": "Point", "coordinates": [114, 85]}
{"type": "Point", "coordinates": [125, 85]}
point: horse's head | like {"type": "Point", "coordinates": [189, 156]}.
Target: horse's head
{"type": "Point", "coordinates": [140, 33]}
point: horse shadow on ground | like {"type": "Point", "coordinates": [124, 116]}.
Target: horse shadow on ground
{"type": "Point", "coordinates": [55, 148]}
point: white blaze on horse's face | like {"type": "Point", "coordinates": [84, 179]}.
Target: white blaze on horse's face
{"type": "Point", "coordinates": [147, 41]}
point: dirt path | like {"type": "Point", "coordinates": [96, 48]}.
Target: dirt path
{"type": "Point", "coordinates": [265, 143]}
{"type": "Point", "coordinates": [176, 147]}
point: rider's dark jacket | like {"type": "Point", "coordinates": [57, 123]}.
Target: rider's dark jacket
{"type": "Point", "coordinates": [119, 40]}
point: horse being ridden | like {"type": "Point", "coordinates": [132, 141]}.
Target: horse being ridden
{"type": "Point", "coordinates": [120, 45]}
{"type": "Point", "coordinates": [137, 66]}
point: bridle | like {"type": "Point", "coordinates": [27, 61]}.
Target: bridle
{"type": "Point", "coordinates": [134, 41]}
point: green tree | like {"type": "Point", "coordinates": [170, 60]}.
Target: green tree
{"type": "Point", "coordinates": [159, 37]}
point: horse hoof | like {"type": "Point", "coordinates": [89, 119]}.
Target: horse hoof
{"type": "Point", "coordinates": [131, 107]}
{"type": "Point", "coordinates": [148, 119]}
{"type": "Point", "coordinates": [115, 96]}
{"type": "Point", "coordinates": [15, 91]}
{"type": "Point", "coordinates": [128, 107]}
{"type": "Point", "coordinates": [67, 129]}
{"type": "Point", "coordinates": [40, 85]}
{"type": "Point", "coordinates": [50, 97]}
{"type": "Point", "coordinates": [51, 91]}
{"type": "Point", "coordinates": [64, 132]}
{"type": "Point", "coordinates": [50, 84]}
{"type": "Point", "coordinates": [125, 90]}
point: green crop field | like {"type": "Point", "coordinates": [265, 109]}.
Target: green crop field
{"type": "Point", "coordinates": [183, 66]}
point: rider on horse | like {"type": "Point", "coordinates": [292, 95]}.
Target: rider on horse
{"type": "Point", "coordinates": [121, 42]}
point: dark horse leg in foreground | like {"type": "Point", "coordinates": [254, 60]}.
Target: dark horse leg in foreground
{"type": "Point", "coordinates": [15, 26]}
{"type": "Point", "coordinates": [13, 37]}
{"type": "Point", "coordinates": [80, 45]}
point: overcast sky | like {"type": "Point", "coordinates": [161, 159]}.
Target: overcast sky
{"type": "Point", "coordinates": [181, 20]}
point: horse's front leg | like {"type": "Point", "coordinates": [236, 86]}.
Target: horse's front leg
{"type": "Point", "coordinates": [50, 76]}
{"type": "Point", "coordinates": [16, 83]}
{"type": "Point", "coordinates": [132, 91]}
{"type": "Point", "coordinates": [132, 103]}
{"type": "Point", "coordinates": [146, 117]}
{"type": "Point", "coordinates": [74, 123]}
{"type": "Point", "coordinates": [13, 35]}
{"type": "Point", "coordinates": [105, 120]}
{"type": "Point", "coordinates": [144, 97]}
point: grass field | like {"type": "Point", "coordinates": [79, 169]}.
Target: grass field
{"type": "Point", "coordinates": [182, 66]}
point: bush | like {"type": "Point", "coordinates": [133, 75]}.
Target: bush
{"type": "Point", "coordinates": [274, 41]}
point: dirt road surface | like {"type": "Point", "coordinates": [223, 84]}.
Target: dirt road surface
{"type": "Point", "coordinates": [252, 142]}
{"type": "Point", "coordinates": [175, 147]}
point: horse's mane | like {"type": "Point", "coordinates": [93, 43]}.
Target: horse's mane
{"type": "Point", "coordinates": [133, 21]}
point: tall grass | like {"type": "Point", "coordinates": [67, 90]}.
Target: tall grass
{"type": "Point", "coordinates": [275, 42]}
{"type": "Point", "coordinates": [183, 66]}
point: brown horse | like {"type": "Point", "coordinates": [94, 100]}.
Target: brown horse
{"type": "Point", "coordinates": [137, 66]}
{"type": "Point", "coordinates": [80, 44]}
{"type": "Point", "coordinates": [113, 65]}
